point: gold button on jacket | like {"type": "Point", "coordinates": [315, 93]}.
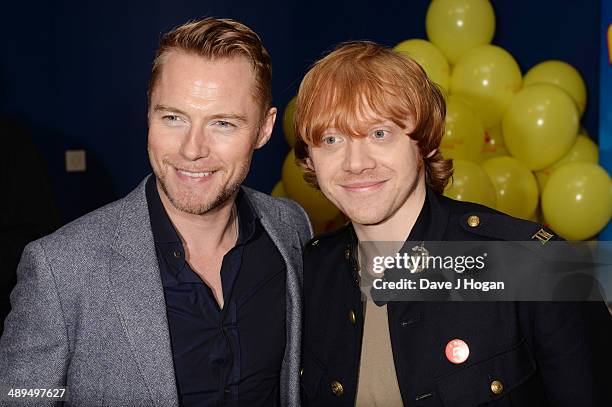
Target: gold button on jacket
{"type": "Point", "coordinates": [497, 387]}
{"type": "Point", "coordinates": [352, 317]}
{"type": "Point", "coordinates": [336, 388]}
{"type": "Point", "coordinates": [473, 221]}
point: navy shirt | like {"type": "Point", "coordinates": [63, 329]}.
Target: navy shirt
{"type": "Point", "coordinates": [230, 356]}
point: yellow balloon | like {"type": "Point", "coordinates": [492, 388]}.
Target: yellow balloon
{"type": "Point", "coordinates": [470, 184]}
{"type": "Point", "coordinates": [577, 200]}
{"type": "Point", "coordinates": [456, 26]}
{"type": "Point", "coordinates": [487, 77]}
{"type": "Point", "coordinates": [583, 150]}
{"type": "Point", "coordinates": [430, 58]}
{"type": "Point", "coordinates": [563, 75]}
{"type": "Point", "coordinates": [279, 190]}
{"type": "Point", "coordinates": [463, 131]}
{"type": "Point", "coordinates": [288, 129]}
{"type": "Point", "coordinates": [540, 125]}
{"type": "Point", "coordinates": [493, 144]}
{"type": "Point", "coordinates": [318, 207]}
{"type": "Point", "coordinates": [516, 188]}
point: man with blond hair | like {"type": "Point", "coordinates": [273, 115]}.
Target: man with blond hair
{"type": "Point", "coordinates": [369, 123]}
{"type": "Point", "coordinates": [187, 291]}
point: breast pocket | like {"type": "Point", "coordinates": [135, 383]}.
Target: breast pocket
{"type": "Point", "coordinates": [490, 380]}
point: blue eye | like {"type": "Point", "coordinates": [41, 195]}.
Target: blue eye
{"type": "Point", "coordinates": [223, 124]}
{"type": "Point", "coordinates": [330, 140]}
{"type": "Point", "coordinates": [379, 134]}
{"type": "Point", "coordinates": [173, 120]}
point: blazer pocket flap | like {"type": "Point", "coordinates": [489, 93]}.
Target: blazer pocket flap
{"type": "Point", "coordinates": [489, 379]}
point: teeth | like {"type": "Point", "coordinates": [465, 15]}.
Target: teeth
{"type": "Point", "coordinates": [196, 174]}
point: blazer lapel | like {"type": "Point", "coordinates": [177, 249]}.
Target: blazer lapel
{"type": "Point", "coordinates": [287, 240]}
{"type": "Point", "coordinates": [138, 294]}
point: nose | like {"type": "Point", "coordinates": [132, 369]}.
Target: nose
{"type": "Point", "coordinates": [195, 144]}
{"type": "Point", "coordinates": [357, 157]}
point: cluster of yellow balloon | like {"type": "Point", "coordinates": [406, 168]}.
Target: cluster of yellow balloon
{"type": "Point", "coordinates": [515, 141]}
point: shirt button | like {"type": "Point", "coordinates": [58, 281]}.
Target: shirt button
{"type": "Point", "coordinates": [177, 254]}
{"type": "Point", "coordinates": [352, 317]}
{"type": "Point", "coordinates": [347, 254]}
{"type": "Point", "coordinates": [497, 387]}
{"type": "Point", "coordinates": [473, 221]}
{"type": "Point", "coordinates": [336, 388]}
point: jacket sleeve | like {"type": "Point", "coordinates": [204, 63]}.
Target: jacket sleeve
{"type": "Point", "coordinates": [34, 345]}
{"type": "Point", "coordinates": [572, 342]}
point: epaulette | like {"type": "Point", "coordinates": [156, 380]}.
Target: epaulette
{"type": "Point", "coordinates": [529, 235]}
{"type": "Point", "coordinates": [499, 226]}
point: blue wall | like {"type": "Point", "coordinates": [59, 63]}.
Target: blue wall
{"type": "Point", "coordinates": [75, 73]}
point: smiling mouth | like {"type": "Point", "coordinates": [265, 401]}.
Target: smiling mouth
{"type": "Point", "coordinates": [195, 175]}
{"type": "Point", "coordinates": [363, 186]}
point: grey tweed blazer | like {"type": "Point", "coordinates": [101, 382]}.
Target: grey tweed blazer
{"type": "Point", "coordinates": [88, 310]}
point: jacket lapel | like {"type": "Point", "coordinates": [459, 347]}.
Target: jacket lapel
{"type": "Point", "coordinates": [139, 297]}
{"type": "Point", "coordinates": [287, 241]}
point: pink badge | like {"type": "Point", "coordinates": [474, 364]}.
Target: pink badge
{"type": "Point", "coordinates": [457, 351]}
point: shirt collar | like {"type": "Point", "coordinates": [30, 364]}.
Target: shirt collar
{"type": "Point", "coordinates": [162, 228]}
{"type": "Point", "coordinates": [247, 218]}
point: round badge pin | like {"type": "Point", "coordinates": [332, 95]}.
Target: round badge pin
{"type": "Point", "coordinates": [457, 351]}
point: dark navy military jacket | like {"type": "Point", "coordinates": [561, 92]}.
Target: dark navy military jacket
{"type": "Point", "coordinates": [521, 353]}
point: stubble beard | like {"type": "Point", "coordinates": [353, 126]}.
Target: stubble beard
{"type": "Point", "coordinates": [188, 201]}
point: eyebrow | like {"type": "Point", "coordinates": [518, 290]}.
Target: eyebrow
{"type": "Point", "coordinates": [233, 116]}
{"type": "Point", "coordinates": [162, 108]}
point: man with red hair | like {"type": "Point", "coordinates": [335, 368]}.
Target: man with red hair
{"type": "Point", "coordinates": [369, 123]}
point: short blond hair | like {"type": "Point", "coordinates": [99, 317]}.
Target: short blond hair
{"type": "Point", "coordinates": [336, 90]}
{"type": "Point", "coordinates": [215, 38]}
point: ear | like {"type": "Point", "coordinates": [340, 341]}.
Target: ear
{"type": "Point", "coordinates": [309, 164]}
{"type": "Point", "coordinates": [435, 150]}
{"type": "Point", "coordinates": [265, 130]}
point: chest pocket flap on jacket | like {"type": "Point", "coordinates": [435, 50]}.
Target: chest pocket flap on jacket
{"type": "Point", "coordinates": [475, 385]}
